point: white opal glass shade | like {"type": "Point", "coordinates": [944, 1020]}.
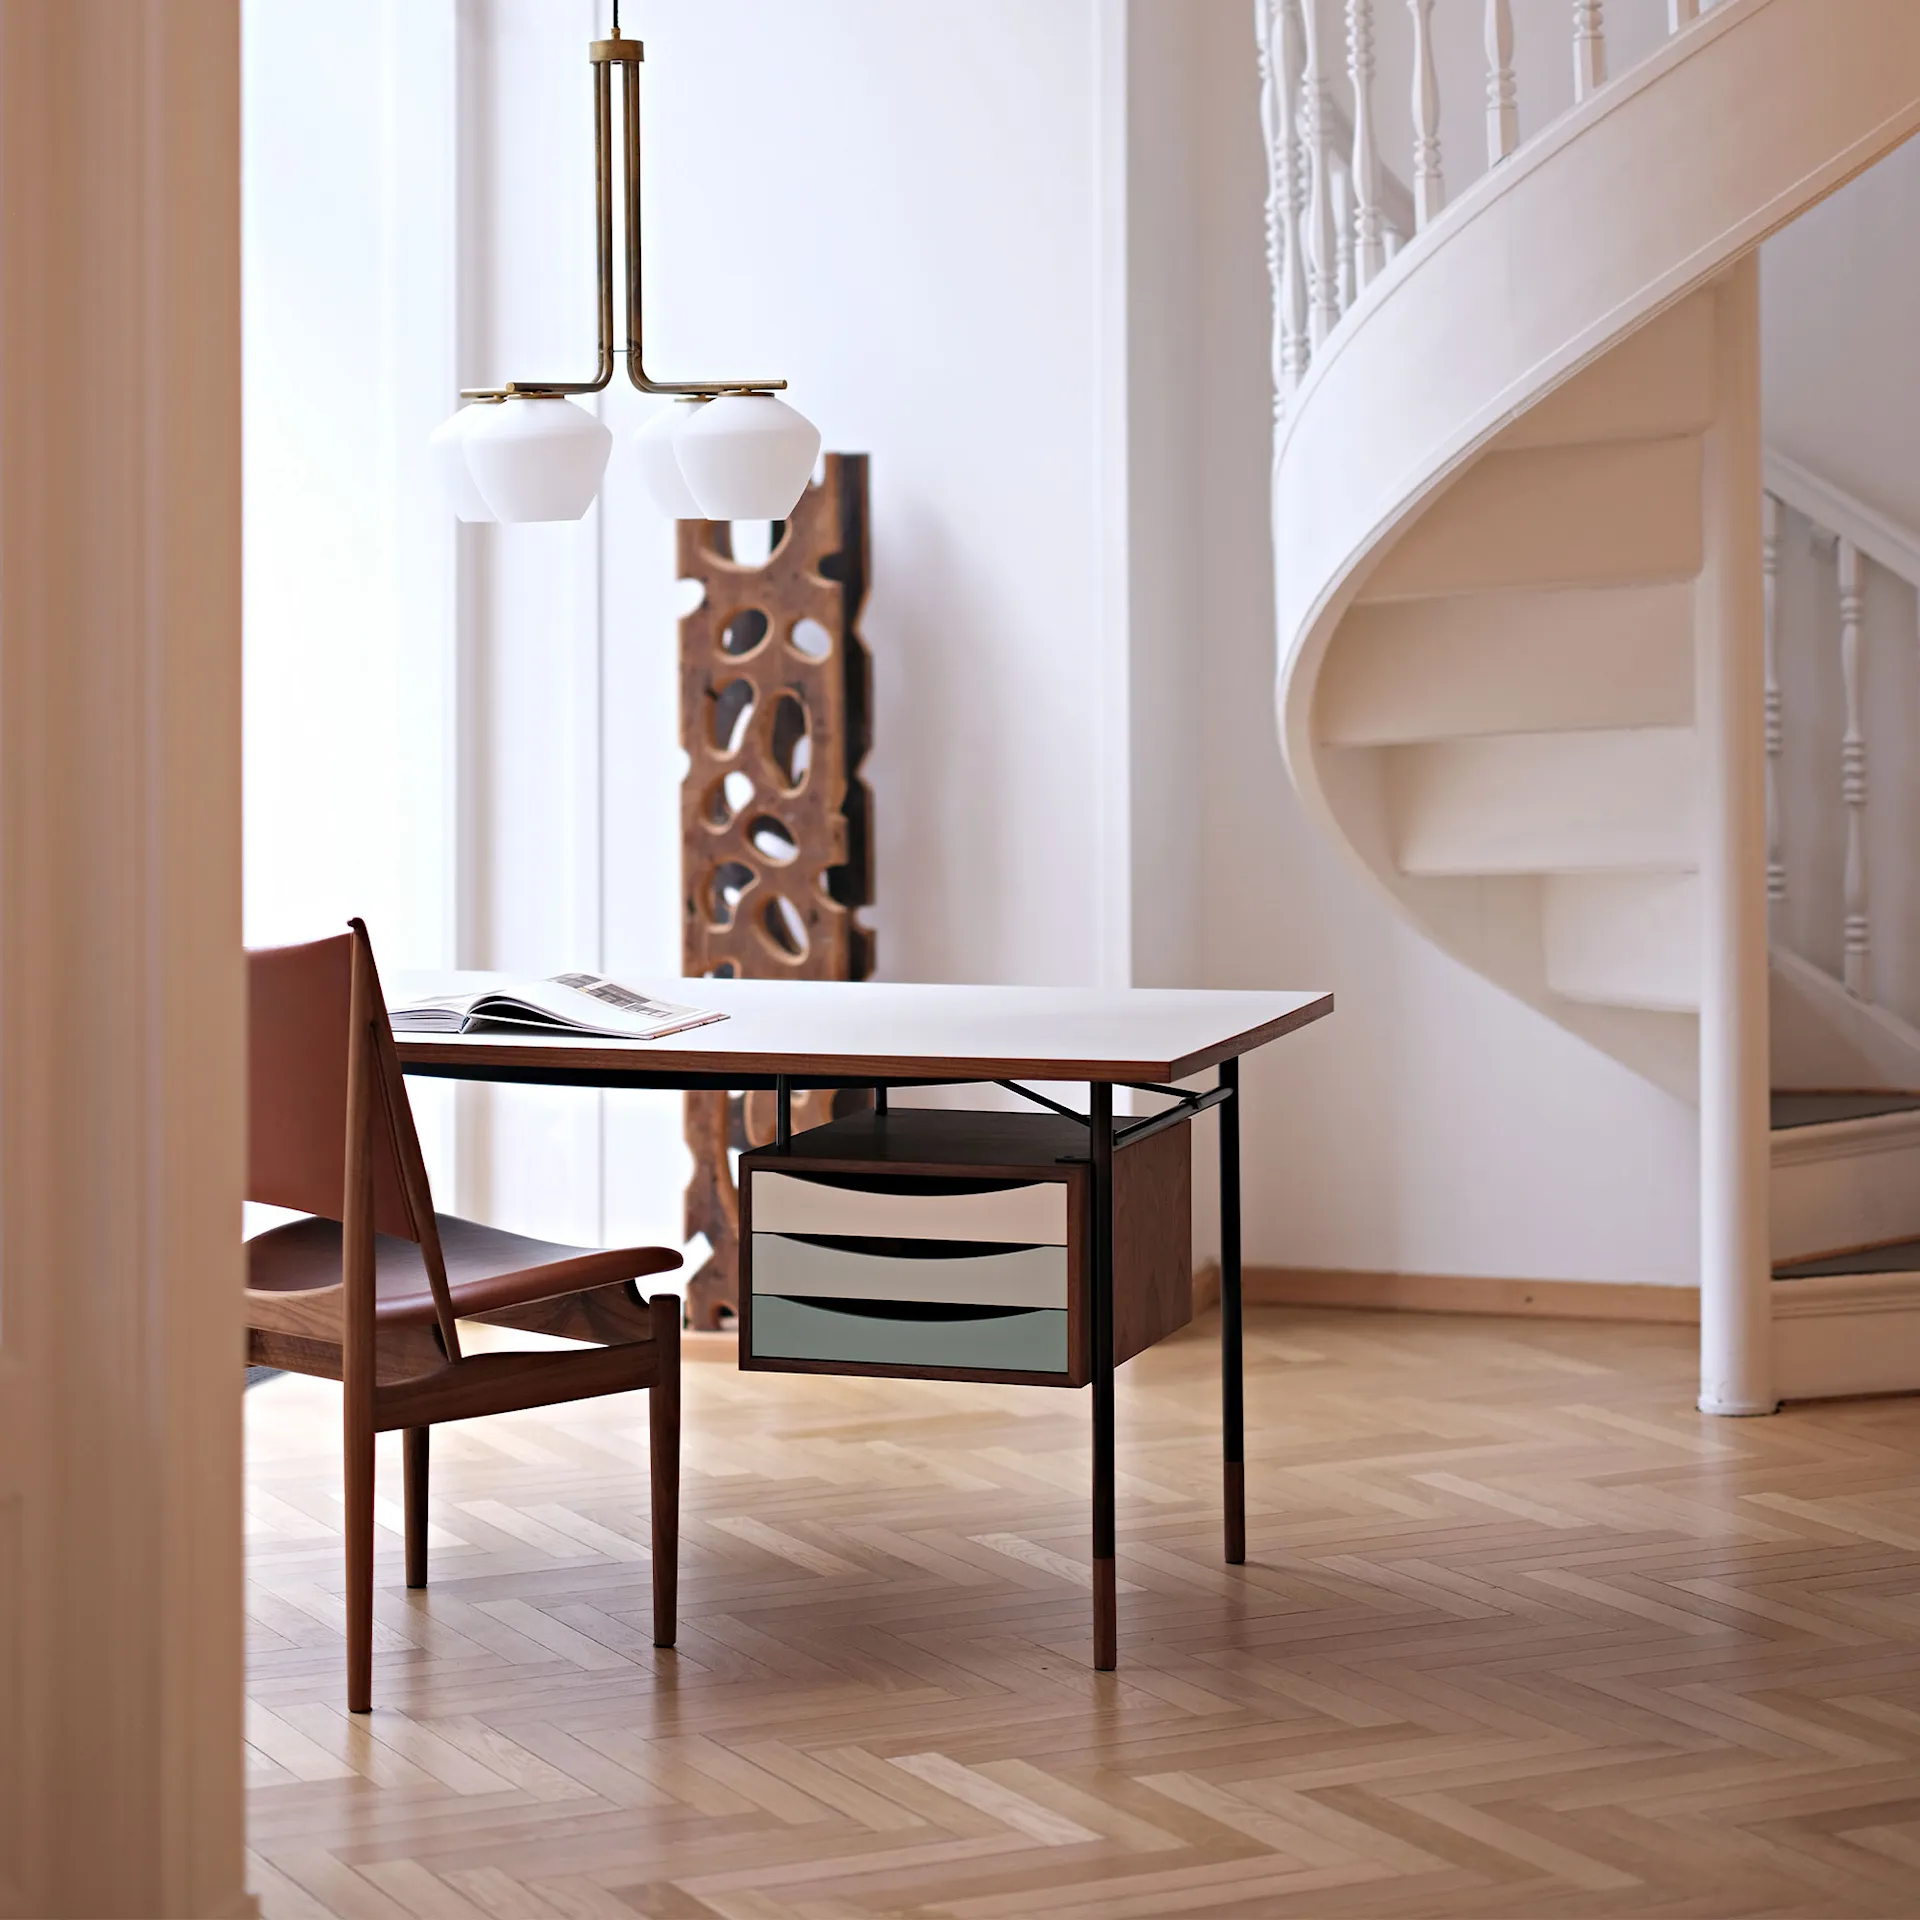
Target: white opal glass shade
{"type": "Point", "coordinates": [537, 459]}
{"type": "Point", "coordinates": [660, 465]}
{"type": "Point", "coordinates": [746, 456]}
{"type": "Point", "coordinates": [448, 442]}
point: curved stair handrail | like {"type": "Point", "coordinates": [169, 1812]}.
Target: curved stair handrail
{"type": "Point", "coordinates": [1436, 357]}
{"type": "Point", "coordinates": [1539, 271]}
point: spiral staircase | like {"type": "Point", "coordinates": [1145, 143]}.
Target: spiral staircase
{"type": "Point", "coordinates": [1517, 534]}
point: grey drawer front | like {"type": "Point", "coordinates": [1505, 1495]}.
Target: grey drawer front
{"type": "Point", "coordinates": [994, 1277]}
{"type": "Point", "coordinates": [1020, 1342]}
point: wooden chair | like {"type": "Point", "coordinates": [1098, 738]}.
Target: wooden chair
{"type": "Point", "coordinates": [367, 1289]}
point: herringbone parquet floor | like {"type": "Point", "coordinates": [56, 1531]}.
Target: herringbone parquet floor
{"type": "Point", "coordinates": [1521, 1634]}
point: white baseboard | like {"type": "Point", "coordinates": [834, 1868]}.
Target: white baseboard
{"type": "Point", "coordinates": [1846, 1333]}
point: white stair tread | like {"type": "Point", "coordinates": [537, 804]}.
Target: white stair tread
{"type": "Point", "coordinates": [1604, 802]}
{"type": "Point", "coordinates": [1851, 1179]}
{"type": "Point", "coordinates": [1527, 662]}
{"type": "Point", "coordinates": [1655, 383]}
{"type": "Point", "coordinates": [1624, 940]}
{"type": "Point", "coordinates": [1622, 513]}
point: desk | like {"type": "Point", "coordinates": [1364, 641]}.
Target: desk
{"type": "Point", "coordinates": [788, 1035]}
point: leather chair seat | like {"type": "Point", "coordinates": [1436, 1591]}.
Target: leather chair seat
{"type": "Point", "coordinates": [486, 1268]}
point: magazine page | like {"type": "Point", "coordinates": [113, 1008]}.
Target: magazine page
{"type": "Point", "coordinates": [586, 1004]}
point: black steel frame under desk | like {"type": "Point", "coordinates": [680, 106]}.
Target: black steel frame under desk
{"type": "Point", "coordinates": [1103, 1137]}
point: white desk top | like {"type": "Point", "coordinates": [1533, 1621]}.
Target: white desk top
{"type": "Point", "coordinates": [888, 1031]}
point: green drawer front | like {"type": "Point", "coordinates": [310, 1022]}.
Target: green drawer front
{"type": "Point", "coordinates": [1026, 1341]}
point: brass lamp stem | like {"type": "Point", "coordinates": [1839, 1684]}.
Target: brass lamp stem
{"type": "Point", "coordinates": [626, 55]}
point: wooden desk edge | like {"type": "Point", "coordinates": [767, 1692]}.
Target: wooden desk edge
{"type": "Point", "coordinates": [423, 1053]}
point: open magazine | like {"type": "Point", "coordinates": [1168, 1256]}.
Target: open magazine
{"type": "Point", "coordinates": [579, 1003]}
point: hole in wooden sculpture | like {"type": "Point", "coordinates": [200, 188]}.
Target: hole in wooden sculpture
{"type": "Point", "coordinates": [717, 810]}
{"type": "Point", "coordinates": [724, 971]}
{"type": "Point", "coordinates": [729, 882]}
{"type": "Point", "coordinates": [744, 631]}
{"type": "Point", "coordinates": [738, 790]}
{"type": "Point", "coordinates": [689, 596]}
{"type": "Point", "coordinates": [753, 542]}
{"type": "Point", "coordinates": [732, 709]}
{"type": "Point", "coordinates": [811, 640]}
{"type": "Point", "coordinates": [772, 839]}
{"type": "Point", "coordinates": [791, 742]}
{"type": "Point", "coordinates": [785, 928]}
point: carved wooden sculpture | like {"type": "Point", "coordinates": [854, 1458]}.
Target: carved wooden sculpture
{"type": "Point", "coordinates": [775, 715]}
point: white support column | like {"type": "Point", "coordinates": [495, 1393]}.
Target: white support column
{"type": "Point", "coordinates": [1589, 47]}
{"type": "Point", "coordinates": [1503, 112]}
{"type": "Point", "coordinates": [1429, 184]}
{"type": "Point", "coordinates": [1856, 935]}
{"type": "Point", "coordinates": [1736, 1330]}
{"type": "Point", "coordinates": [1681, 13]}
{"type": "Point", "coordinates": [1369, 250]}
{"type": "Point", "coordinates": [1776, 729]}
{"type": "Point", "coordinates": [1322, 232]}
{"type": "Point", "coordinates": [122, 1027]}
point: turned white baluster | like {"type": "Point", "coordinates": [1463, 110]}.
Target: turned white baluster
{"type": "Point", "coordinates": [1853, 780]}
{"type": "Point", "coordinates": [1278, 25]}
{"type": "Point", "coordinates": [1343, 232]}
{"type": "Point", "coordinates": [1369, 246]}
{"type": "Point", "coordinates": [1503, 111]}
{"type": "Point", "coordinates": [1681, 13]}
{"type": "Point", "coordinates": [1776, 731]}
{"type": "Point", "coordinates": [1289, 194]}
{"type": "Point", "coordinates": [1429, 189]}
{"type": "Point", "coordinates": [1323, 241]}
{"type": "Point", "coordinates": [1589, 47]}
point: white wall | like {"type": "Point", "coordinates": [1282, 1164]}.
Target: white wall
{"type": "Point", "coordinates": [1840, 313]}
{"type": "Point", "coordinates": [348, 357]}
{"type": "Point", "coordinates": [1014, 250]}
{"type": "Point", "coordinates": [351, 710]}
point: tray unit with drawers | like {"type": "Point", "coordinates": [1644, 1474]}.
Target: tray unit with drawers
{"type": "Point", "coordinates": [955, 1245]}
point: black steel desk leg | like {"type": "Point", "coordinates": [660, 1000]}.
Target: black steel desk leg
{"type": "Point", "coordinates": [1100, 1294]}
{"type": "Point", "coordinates": [782, 1113]}
{"type": "Point", "coordinates": [1233, 1443]}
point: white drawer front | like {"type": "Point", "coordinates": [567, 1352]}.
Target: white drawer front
{"type": "Point", "coordinates": [1034, 1215]}
{"type": "Point", "coordinates": [1008, 1277]}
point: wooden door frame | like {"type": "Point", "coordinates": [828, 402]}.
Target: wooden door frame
{"type": "Point", "coordinates": [121, 1019]}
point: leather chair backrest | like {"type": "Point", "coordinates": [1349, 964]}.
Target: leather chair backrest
{"type": "Point", "coordinates": [299, 1044]}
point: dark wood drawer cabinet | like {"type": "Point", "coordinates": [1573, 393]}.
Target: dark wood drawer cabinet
{"type": "Point", "coordinates": [955, 1245]}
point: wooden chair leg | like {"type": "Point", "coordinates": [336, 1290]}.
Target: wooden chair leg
{"type": "Point", "coordinates": [414, 1457]}
{"type": "Point", "coordinates": [359, 1594]}
{"type": "Point", "coordinates": [663, 1426]}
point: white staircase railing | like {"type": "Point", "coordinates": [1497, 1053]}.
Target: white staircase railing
{"type": "Point", "coordinates": [1810, 521]}
{"type": "Point", "coordinates": [1337, 212]}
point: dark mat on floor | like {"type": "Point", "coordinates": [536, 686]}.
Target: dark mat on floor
{"type": "Point", "coordinates": [1817, 1109]}
{"type": "Point", "coordinates": [1902, 1258]}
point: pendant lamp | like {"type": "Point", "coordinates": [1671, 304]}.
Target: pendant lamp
{"type": "Point", "coordinates": [726, 450]}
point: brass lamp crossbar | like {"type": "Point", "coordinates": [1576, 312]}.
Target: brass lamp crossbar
{"type": "Point", "coordinates": [627, 55]}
